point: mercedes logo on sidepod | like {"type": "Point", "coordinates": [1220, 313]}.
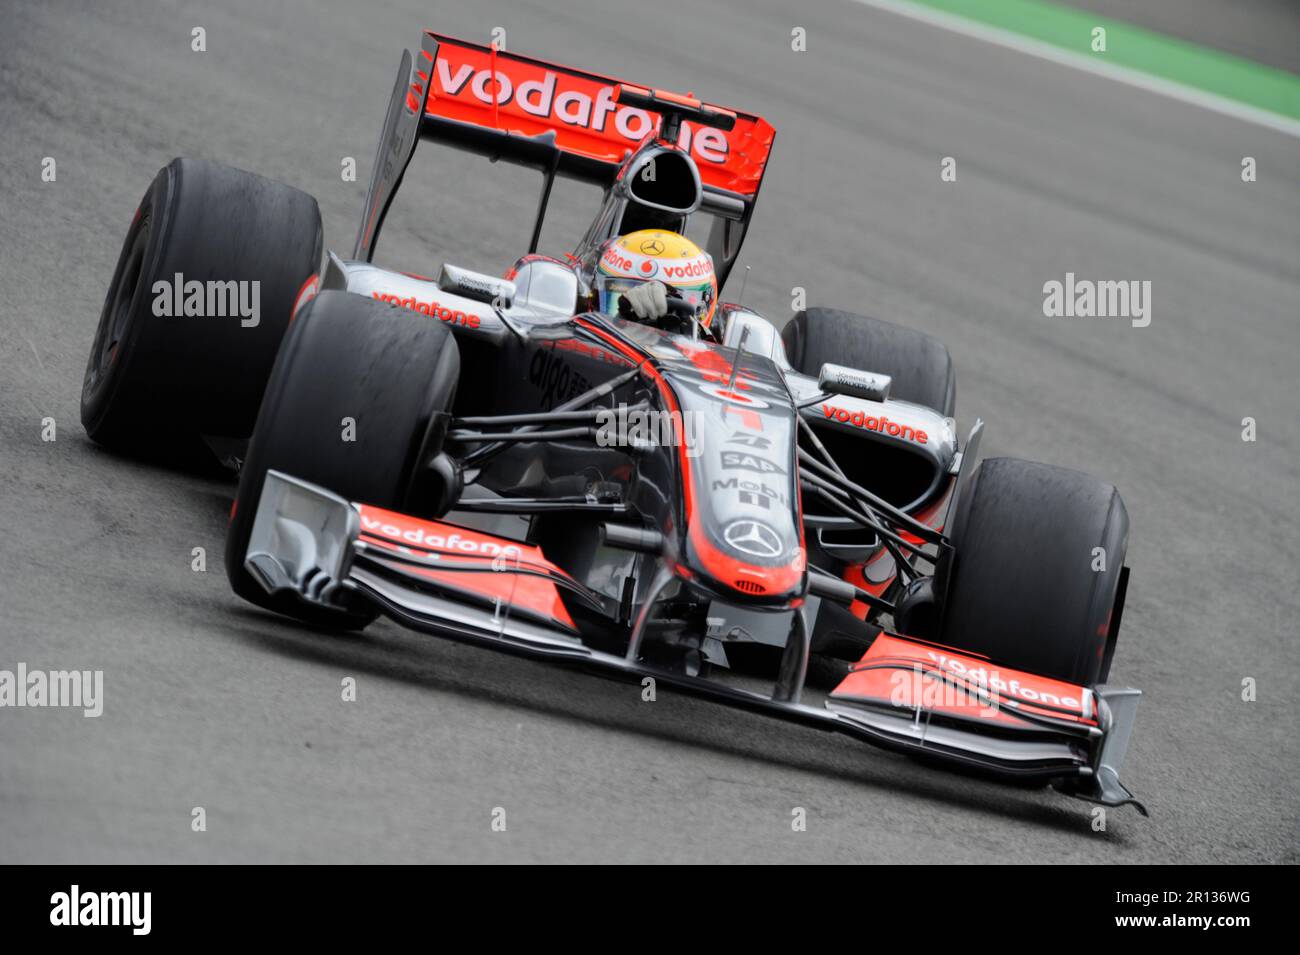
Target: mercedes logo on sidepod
{"type": "Point", "coordinates": [751, 537]}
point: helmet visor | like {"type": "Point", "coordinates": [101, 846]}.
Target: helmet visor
{"type": "Point", "coordinates": [610, 289]}
{"type": "Point", "coordinates": [701, 296]}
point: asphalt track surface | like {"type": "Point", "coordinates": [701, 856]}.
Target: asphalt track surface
{"type": "Point", "coordinates": [211, 703]}
{"type": "Point", "coordinates": [1265, 31]}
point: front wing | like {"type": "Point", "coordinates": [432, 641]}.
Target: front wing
{"type": "Point", "coordinates": [903, 695]}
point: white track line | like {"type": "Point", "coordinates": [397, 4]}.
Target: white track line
{"type": "Point", "coordinates": [1098, 67]}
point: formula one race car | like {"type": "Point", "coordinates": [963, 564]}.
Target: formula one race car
{"type": "Point", "coordinates": [595, 461]}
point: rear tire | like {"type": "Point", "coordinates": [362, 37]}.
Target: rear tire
{"type": "Point", "coordinates": [1021, 588]}
{"type": "Point", "coordinates": [919, 364]}
{"type": "Point", "coordinates": [154, 383]}
{"type": "Point", "coordinates": [348, 357]}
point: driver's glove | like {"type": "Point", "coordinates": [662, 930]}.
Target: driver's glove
{"type": "Point", "coordinates": [648, 301]}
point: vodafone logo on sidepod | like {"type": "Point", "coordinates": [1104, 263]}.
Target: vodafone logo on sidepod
{"type": "Point", "coordinates": [547, 99]}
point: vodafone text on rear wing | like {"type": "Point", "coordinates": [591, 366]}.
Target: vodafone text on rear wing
{"type": "Point", "coordinates": [559, 120]}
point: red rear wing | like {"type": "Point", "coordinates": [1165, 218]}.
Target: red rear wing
{"type": "Point", "coordinates": [560, 121]}
{"type": "Point", "coordinates": [490, 89]}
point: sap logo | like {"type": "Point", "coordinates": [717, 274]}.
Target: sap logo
{"type": "Point", "coordinates": [733, 460]}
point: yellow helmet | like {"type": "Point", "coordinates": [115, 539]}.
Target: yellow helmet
{"type": "Point", "coordinates": [657, 255]}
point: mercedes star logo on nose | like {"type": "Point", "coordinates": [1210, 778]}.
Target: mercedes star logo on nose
{"type": "Point", "coordinates": [751, 537]}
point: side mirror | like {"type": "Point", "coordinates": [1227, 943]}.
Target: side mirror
{"type": "Point", "coordinates": [545, 286]}
{"type": "Point", "coordinates": [842, 380]}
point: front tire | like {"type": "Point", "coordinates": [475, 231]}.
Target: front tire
{"type": "Point", "coordinates": [1038, 556]}
{"type": "Point", "coordinates": [358, 402]}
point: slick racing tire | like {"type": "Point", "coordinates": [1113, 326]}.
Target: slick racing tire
{"type": "Point", "coordinates": [156, 380]}
{"type": "Point", "coordinates": [1038, 552]}
{"type": "Point", "coordinates": [359, 400]}
{"type": "Point", "coordinates": [919, 364]}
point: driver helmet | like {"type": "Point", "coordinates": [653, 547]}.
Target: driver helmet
{"type": "Point", "coordinates": [656, 255]}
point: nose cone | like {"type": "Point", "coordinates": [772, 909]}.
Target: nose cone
{"type": "Point", "coordinates": [741, 498]}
